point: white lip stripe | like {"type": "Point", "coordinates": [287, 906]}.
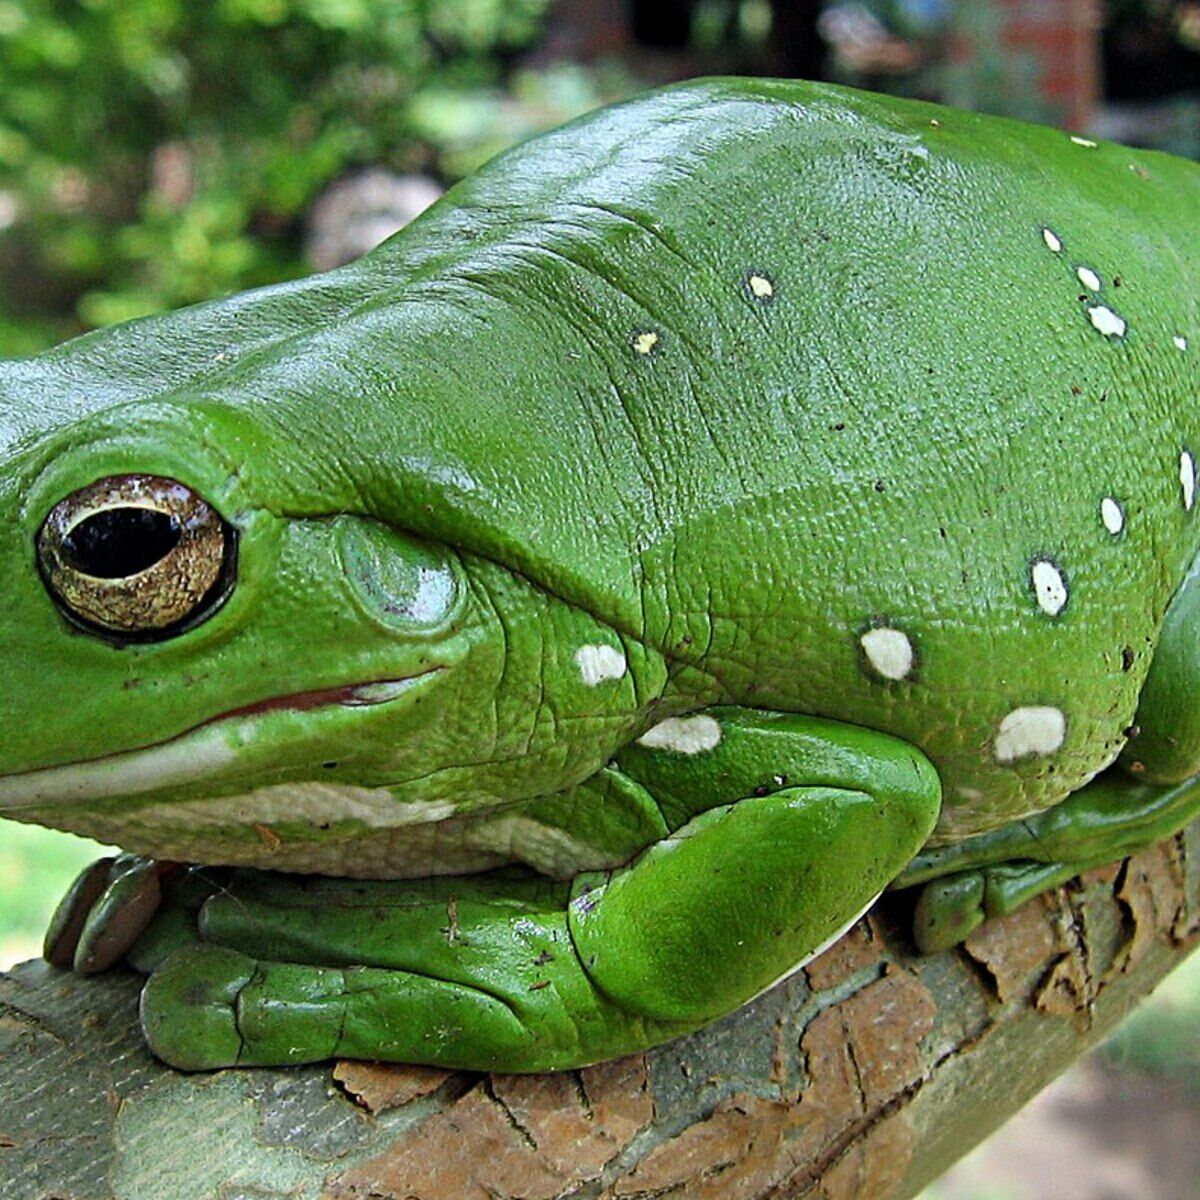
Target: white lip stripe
{"type": "Point", "coordinates": [186, 759]}
{"type": "Point", "coordinates": [195, 755]}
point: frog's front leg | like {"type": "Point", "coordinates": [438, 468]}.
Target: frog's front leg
{"type": "Point", "coordinates": [784, 828]}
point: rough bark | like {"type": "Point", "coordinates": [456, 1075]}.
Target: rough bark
{"type": "Point", "coordinates": [864, 1076]}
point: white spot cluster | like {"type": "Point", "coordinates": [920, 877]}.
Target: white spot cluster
{"type": "Point", "coordinates": [1107, 321]}
{"type": "Point", "coordinates": [1102, 317]}
{"type": "Point", "coordinates": [1049, 586]}
{"type": "Point", "coordinates": [1187, 478]}
{"type": "Point", "coordinates": [684, 735]}
{"type": "Point", "coordinates": [597, 664]}
{"type": "Point", "coordinates": [645, 343]}
{"type": "Point", "coordinates": [888, 651]}
{"type": "Point", "coordinates": [1113, 515]}
{"type": "Point", "coordinates": [1031, 730]}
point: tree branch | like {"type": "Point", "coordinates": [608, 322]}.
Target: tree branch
{"type": "Point", "coordinates": [864, 1076]}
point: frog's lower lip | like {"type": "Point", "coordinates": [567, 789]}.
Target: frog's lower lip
{"type": "Point", "coordinates": [195, 754]}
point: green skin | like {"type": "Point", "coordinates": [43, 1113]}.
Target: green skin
{"type": "Point", "coordinates": [772, 492]}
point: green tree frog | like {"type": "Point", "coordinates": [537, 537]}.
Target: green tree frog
{"type": "Point", "coordinates": [561, 623]}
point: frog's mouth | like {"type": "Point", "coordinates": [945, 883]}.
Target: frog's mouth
{"type": "Point", "coordinates": [229, 742]}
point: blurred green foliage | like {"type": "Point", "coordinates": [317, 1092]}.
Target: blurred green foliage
{"type": "Point", "coordinates": [1162, 1038]}
{"type": "Point", "coordinates": [159, 152]}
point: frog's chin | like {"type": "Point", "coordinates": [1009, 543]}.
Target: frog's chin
{"type": "Point", "coordinates": [231, 743]}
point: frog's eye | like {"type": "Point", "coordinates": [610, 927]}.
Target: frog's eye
{"type": "Point", "coordinates": [137, 557]}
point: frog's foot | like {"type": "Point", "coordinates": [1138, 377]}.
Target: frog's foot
{"type": "Point", "coordinates": [949, 910]}
{"type": "Point", "coordinates": [991, 875]}
{"type": "Point", "coordinates": [105, 911]}
{"type": "Point", "coordinates": [477, 973]}
{"type": "Point", "coordinates": [515, 972]}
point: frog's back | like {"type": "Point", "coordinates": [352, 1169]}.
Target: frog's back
{"type": "Point", "coordinates": [894, 406]}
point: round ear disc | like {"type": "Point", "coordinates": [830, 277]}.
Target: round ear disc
{"type": "Point", "coordinates": [137, 557]}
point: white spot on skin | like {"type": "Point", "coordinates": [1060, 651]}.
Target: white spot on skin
{"type": "Point", "coordinates": [1180, 342]}
{"type": "Point", "coordinates": [1052, 240]}
{"type": "Point", "coordinates": [685, 735]}
{"type": "Point", "coordinates": [889, 652]}
{"type": "Point", "coordinates": [970, 793]}
{"type": "Point", "coordinates": [1049, 586]}
{"type": "Point", "coordinates": [645, 343]}
{"type": "Point", "coordinates": [761, 288]}
{"type": "Point", "coordinates": [1113, 515]}
{"type": "Point", "coordinates": [1187, 478]}
{"type": "Point", "coordinates": [1089, 278]}
{"type": "Point", "coordinates": [1036, 729]}
{"type": "Point", "coordinates": [600, 663]}
{"type": "Point", "coordinates": [1107, 321]}
{"type": "Point", "coordinates": [1082, 141]}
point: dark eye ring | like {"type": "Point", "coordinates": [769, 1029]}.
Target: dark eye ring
{"type": "Point", "coordinates": [137, 557]}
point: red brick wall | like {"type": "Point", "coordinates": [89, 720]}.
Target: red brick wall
{"type": "Point", "coordinates": [1038, 59]}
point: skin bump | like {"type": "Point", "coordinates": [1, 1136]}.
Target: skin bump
{"type": "Point", "coordinates": [888, 651]}
{"type": "Point", "coordinates": [1113, 515]}
{"type": "Point", "coordinates": [1029, 731]}
{"type": "Point", "coordinates": [1049, 586]}
{"type": "Point", "coordinates": [598, 664]}
{"type": "Point", "coordinates": [684, 735]}
{"type": "Point", "coordinates": [1187, 478]}
{"type": "Point", "coordinates": [760, 287]}
{"type": "Point", "coordinates": [646, 343]}
{"type": "Point", "coordinates": [1107, 321]}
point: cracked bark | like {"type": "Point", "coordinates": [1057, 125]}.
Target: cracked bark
{"type": "Point", "coordinates": [864, 1076]}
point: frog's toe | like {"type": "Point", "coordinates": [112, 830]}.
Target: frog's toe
{"type": "Point", "coordinates": [104, 912]}
{"type": "Point", "coordinates": [948, 911]}
{"type": "Point", "coordinates": [66, 926]}
{"type": "Point", "coordinates": [189, 1007]}
{"type": "Point", "coordinates": [209, 1007]}
{"type": "Point", "coordinates": [121, 913]}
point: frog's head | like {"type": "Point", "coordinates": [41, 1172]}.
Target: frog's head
{"type": "Point", "coordinates": [222, 640]}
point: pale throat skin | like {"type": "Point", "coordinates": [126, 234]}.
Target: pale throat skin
{"type": "Point", "coordinates": [754, 464]}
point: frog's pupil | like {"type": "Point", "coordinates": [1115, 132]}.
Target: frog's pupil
{"type": "Point", "coordinates": [120, 542]}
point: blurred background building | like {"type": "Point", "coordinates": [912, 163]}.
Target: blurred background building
{"type": "Point", "coordinates": [159, 152]}
{"type": "Point", "coordinates": [155, 153]}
